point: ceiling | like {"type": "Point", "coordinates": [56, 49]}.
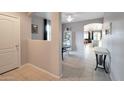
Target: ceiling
{"type": "Point", "coordinates": [81, 16]}
{"type": "Point", "coordinates": [46, 15]}
{"type": "Point", "coordinates": [77, 16]}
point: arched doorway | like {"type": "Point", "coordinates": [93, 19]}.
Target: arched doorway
{"type": "Point", "coordinates": [93, 34]}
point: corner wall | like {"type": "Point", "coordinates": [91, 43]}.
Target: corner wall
{"type": "Point", "coordinates": [39, 53]}
{"type": "Point", "coordinates": [47, 54]}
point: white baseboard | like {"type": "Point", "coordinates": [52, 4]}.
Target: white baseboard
{"type": "Point", "coordinates": [45, 71]}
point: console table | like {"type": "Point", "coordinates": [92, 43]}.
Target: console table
{"type": "Point", "coordinates": [65, 49]}
{"type": "Point", "coordinates": [101, 54]}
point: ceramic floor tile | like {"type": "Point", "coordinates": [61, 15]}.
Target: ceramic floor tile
{"type": "Point", "coordinates": [81, 66]}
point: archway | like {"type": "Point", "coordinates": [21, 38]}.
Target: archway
{"type": "Point", "coordinates": [93, 34]}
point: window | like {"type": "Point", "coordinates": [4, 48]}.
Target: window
{"type": "Point", "coordinates": [85, 35]}
{"type": "Point", "coordinates": [96, 35]}
{"type": "Point", "coordinates": [95, 31]}
{"type": "Point", "coordinates": [47, 30]}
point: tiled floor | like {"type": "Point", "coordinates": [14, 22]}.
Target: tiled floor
{"type": "Point", "coordinates": [80, 65]}
{"type": "Point", "coordinates": [26, 73]}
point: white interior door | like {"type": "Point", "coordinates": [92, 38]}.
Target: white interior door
{"type": "Point", "coordinates": [9, 43]}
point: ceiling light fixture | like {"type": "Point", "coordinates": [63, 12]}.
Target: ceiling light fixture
{"type": "Point", "coordinates": [69, 18]}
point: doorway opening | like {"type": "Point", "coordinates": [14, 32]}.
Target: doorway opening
{"type": "Point", "coordinates": [93, 34]}
{"type": "Point", "coordinates": [79, 59]}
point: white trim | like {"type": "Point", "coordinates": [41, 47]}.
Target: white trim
{"type": "Point", "coordinates": [45, 71]}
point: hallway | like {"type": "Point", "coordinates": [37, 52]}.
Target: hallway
{"type": "Point", "coordinates": [79, 65]}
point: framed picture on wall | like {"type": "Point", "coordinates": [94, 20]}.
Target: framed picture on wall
{"type": "Point", "coordinates": [108, 28]}
{"type": "Point", "coordinates": [34, 28]}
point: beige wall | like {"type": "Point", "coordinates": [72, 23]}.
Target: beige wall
{"type": "Point", "coordinates": [25, 32]}
{"type": "Point", "coordinates": [25, 35]}
{"type": "Point", "coordinates": [56, 43]}
{"type": "Point", "coordinates": [47, 55]}
{"type": "Point", "coordinates": [39, 53]}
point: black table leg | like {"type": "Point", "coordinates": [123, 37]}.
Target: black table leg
{"type": "Point", "coordinates": [97, 61]}
{"type": "Point", "coordinates": [62, 54]}
{"type": "Point", "coordinates": [104, 64]}
{"type": "Point", "coordinates": [100, 59]}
